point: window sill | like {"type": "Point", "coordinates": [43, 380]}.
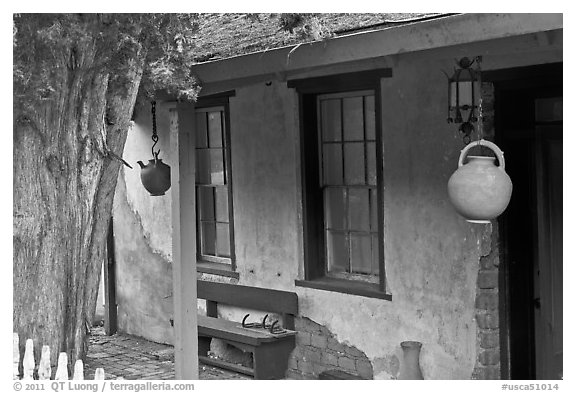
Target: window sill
{"type": "Point", "coordinates": [219, 269]}
{"type": "Point", "coordinates": [345, 286]}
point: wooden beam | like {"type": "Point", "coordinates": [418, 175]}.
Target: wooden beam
{"type": "Point", "coordinates": [184, 241]}
{"type": "Point", "coordinates": [110, 308]}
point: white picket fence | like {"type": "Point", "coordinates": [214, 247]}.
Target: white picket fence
{"type": "Point", "coordinates": [44, 368]}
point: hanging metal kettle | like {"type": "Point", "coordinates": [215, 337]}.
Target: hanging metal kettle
{"type": "Point", "coordinates": [155, 176]}
{"type": "Point", "coordinates": [479, 190]}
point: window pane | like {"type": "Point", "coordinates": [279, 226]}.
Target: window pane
{"type": "Point", "coordinates": [332, 164]}
{"type": "Point", "coordinates": [331, 120]}
{"type": "Point", "coordinates": [371, 162]}
{"type": "Point", "coordinates": [358, 208]}
{"type": "Point", "coordinates": [206, 205]}
{"type": "Point", "coordinates": [223, 240]}
{"type": "Point", "coordinates": [215, 129]}
{"type": "Point", "coordinates": [353, 119]}
{"type": "Point", "coordinates": [208, 237]}
{"type": "Point", "coordinates": [361, 254]}
{"type": "Point", "coordinates": [202, 166]}
{"type": "Point", "coordinates": [370, 118]}
{"type": "Point", "coordinates": [335, 208]}
{"type": "Point", "coordinates": [375, 253]}
{"type": "Point", "coordinates": [354, 163]}
{"type": "Point", "coordinates": [373, 210]}
{"type": "Point", "coordinates": [221, 204]}
{"type": "Point", "coordinates": [337, 252]}
{"type": "Point", "coordinates": [200, 131]}
{"type": "Point", "coordinates": [216, 166]}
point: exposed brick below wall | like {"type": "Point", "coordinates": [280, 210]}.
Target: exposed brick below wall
{"type": "Point", "coordinates": [489, 339]}
{"type": "Point", "coordinates": [318, 350]}
{"type": "Point", "coordinates": [488, 279]}
{"type": "Point", "coordinates": [487, 320]}
{"type": "Point", "coordinates": [489, 357]}
{"type": "Point", "coordinates": [487, 298]}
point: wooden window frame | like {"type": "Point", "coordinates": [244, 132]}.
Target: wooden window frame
{"type": "Point", "coordinates": [214, 265]}
{"type": "Point", "coordinates": [308, 91]}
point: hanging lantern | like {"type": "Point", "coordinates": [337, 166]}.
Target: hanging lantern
{"type": "Point", "coordinates": [479, 189]}
{"type": "Point", "coordinates": [156, 175]}
{"type": "Point", "coordinates": [463, 93]}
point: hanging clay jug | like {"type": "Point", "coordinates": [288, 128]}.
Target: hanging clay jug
{"type": "Point", "coordinates": [479, 190]}
{"type": "Point", "coordinates": [155, 176]}
{"type": "Point", "coordinates": [410, 366]}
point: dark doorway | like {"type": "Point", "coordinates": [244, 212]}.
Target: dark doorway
{"type": "Point", "coordinates": [528, 124]}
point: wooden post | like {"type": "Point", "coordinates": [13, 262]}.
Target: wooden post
{"type": "Point", "coordinates": [110, 308]}
{"type": "Point", "coordinates": [184, 241]}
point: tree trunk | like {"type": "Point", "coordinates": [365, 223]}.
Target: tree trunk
{"type": "Point", "coordinates": [64, 182]}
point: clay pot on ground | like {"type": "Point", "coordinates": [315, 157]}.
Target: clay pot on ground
{"type": "Point", "coordinates": [410, 366]}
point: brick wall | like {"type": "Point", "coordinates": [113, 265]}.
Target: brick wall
{"type": "Point", "coordinates": [318, 350]}
{"type": "Point", "coordinates": [488, 336]}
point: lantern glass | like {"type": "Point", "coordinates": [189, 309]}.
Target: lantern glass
{"type": "Point", "coordinates": [465, 96]}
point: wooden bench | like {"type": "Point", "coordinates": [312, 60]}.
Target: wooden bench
{"type": "Point", "coordinates": [270, 351]}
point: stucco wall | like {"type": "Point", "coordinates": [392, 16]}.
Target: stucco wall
{"type": "Point", "coordinates": [143, 236]}
{"type": "Point", "coordinates": [431, 254]}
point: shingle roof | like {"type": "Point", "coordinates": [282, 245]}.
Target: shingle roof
{"type": "Point", "coordinates": [226, 35]}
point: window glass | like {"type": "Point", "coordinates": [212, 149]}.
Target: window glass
{"type": "Point", "coordinates": [206, 203]}
{"type": "Point", "coordinates": [371, 163]}
{"type": "Point", "coordinates": [203, 166]}
{"type": "Point", "coordinates": [216, 166]}
{"type": "Point", "coordinates": [331, 122]}
{"type": "Point", "coordinates": [361, 254]}
{"type": "Point", "coordinates": [359, 209]}
{"type": "Point", "coordinates": [215, 129]}
{"type": "Point", "coordinates": [353, 119]}
{"type": "Point", "coordinates": [208, 236]}
{"type": "Point", "coordinates": [212, 187]}
{"type": "Point", "coordinates": [354, 163]}
{"type": "Point", "coordinates": [335, 206]}
{"type": "Point", "coordinates": [370, 118]}
{"type": "Point", "coordinates": [337, 252]}
{"type": "Point", "coordinates": [223, 240]}
{"type": "Point", "coordinates": [332, 164]}
{"type": "Point", "coordinates": [200, 132]}
{"type": "Point", "coordinates": [349, 180]}
{"type": "Point", "coordinates": [221, 204]}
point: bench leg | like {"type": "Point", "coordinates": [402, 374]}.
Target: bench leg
{"type": "Point", "coordinates": [204, 345]}
{"type": "Point", "coordinates": [271, 359]}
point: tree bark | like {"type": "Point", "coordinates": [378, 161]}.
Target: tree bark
{"type": "Point", "coordinates": [64, 182]}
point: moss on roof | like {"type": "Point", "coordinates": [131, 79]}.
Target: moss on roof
{"type": "Point", "coordinates": [225, 35]}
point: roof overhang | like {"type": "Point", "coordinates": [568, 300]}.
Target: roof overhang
{"type": "Point", "coordinates": [423, 35]}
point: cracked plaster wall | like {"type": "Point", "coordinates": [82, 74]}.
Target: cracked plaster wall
{"type": "Point", "coordinates": [432, 255]}
{"type": "Point", "coordinates": [143, 237]}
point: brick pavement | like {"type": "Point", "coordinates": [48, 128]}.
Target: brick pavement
{"type": "Point", "coordinates": [123, 356]}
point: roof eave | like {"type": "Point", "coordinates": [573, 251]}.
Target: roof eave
{"type": "Point", "coordinates": [429, 34]}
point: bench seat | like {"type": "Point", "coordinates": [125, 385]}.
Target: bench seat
{"type": "Point", "coordinates": [233, 331]}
